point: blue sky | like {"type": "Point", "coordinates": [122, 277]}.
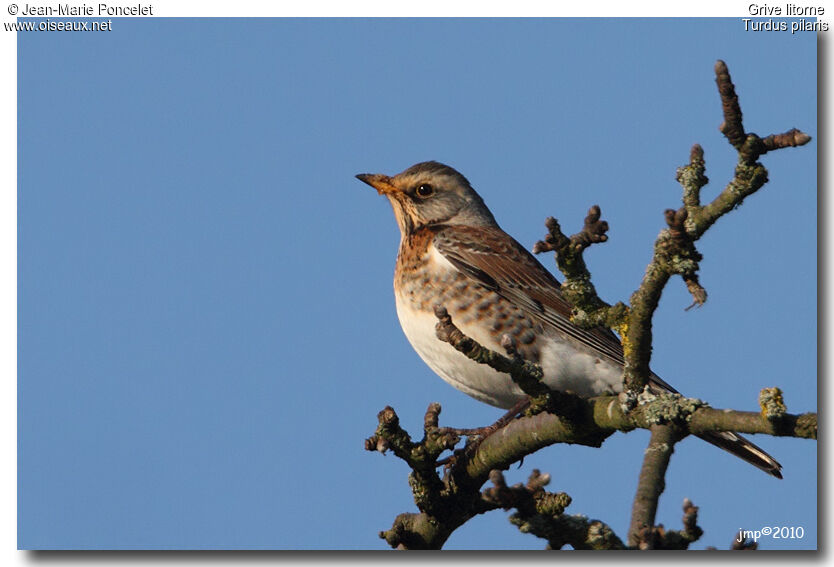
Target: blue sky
{"type": "Point", "coordinates": [206, 317]}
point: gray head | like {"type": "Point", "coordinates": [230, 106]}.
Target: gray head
{"type": "Point", "coordinates": [430, 193]}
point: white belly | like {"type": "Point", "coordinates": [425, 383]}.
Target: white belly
{"type": "Point", "coordinates": [477, 380]}
{"type": "Point", "coordinates": [565, 368]}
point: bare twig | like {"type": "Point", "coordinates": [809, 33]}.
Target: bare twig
{"type": "Point", "coordinates": [541, 513]}
{"type": "Point", "coordinates": [658, 537]}
{"type": "Point", "coordinates": [651, 485]}
{"type": "Point", "coordinates": [588, 309]}
{"type": "Point", "coordinates": [732, 126]}
{"type": "Point", "coordinates": [525, 374]}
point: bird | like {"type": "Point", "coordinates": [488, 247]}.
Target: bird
{"type": "Point", "coordinates": [454, 254]}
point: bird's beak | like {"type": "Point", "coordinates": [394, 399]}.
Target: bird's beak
{"type": "Point", "coordinates": [380, 182]}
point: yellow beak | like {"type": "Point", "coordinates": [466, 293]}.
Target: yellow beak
{"type": "Point", "coordinates": [380, 182]}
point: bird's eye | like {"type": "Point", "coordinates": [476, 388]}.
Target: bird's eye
{"type": "Point", "coordinates": [424, 190]}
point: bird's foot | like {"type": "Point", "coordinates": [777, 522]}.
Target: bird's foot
{"type": "Point", "coordinates": [477, 435]}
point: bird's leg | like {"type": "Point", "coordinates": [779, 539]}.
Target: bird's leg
{"type": "Point", "coordinates": [511, 414]}
{"type": "Point", "coordinates": [483, 432]}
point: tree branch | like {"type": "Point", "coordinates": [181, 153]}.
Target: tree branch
{"type": "Point", "coordinates": [732, 127]}
{"type": "Point", "coordinates": [526, 374]}
{"type": "Point", "coordinates": [447, 503]}
{"type": "Point", "coordinates": [674, 251]}
{"type": "Point", "coordinates": [651, 485]}
{"type": "Point", "coordinates": [588, 309]}
{"type": "Point", "coordinates": [541, 513]}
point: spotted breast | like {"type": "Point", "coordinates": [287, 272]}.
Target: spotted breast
{"type": "Point", "coordinates": [424, 277]}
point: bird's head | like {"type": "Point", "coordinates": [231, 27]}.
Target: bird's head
{"type": "Point", "coordinates": [430, 193]}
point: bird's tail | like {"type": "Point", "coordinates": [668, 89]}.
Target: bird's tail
{"type": "Point", "coordinates": [744, 449]}
{"type": "Point", "coordinates": [727, 440]}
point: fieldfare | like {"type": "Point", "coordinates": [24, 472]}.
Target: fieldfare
{"type": "Point", "coordinates": [453, 254]}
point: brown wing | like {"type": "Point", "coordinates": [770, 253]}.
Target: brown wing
{"type": "Point", "coordinates": [497, 261]}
